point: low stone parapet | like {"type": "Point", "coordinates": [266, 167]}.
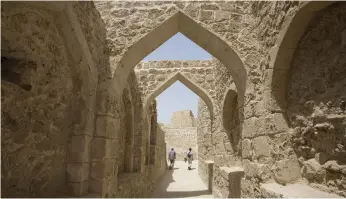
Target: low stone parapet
{"type": "Point", "coordinates": [205, 171]}
{"type": "Point", "coordinates": [228, 182]}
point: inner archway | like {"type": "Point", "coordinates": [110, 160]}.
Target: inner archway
{"type": "Point", "coordinates": [180, 132]}
{"type": "Point", "coordinates": [195, 32]}
{"type": "Point", "coordinates": [186, 82]}
{"type": "Point", "coordinates": [283, 52]}
{"type": "Point", "coordinates": [231, 122]}
{"type": "Point", "coordinates": [189, 84]}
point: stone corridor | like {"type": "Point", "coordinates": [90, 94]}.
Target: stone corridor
{"type": "Point", "coordinates": [78, 108]}
{"type": "Point", "coordinates": [181, 183]}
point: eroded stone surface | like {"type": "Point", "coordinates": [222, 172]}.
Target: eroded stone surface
{"type": "Point", "coordinates": [73, 117]}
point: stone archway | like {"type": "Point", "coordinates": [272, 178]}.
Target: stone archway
{"type": "Point", "coordinates": [189, 84]}
{"type": "Point", "coordinates": [282, 54]}
{"type": "Point", "coordinates": [231, 123]}
{"type": "Point", "coordinates": [180, 22]}
{"type": "Point", "coordinates": [304, 85]}
{"type": "Point", "coordinates": [315, 94]}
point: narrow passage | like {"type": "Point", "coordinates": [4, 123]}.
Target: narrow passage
{"type": "Point", "coordinates": [181, 183]}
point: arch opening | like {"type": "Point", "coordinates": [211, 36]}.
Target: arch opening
{"type": "Point", "coordinates": [195, 32]}
{"type": "Point", "coordinates": [316, 97]}
{"type": "Point", "coordinates": [231, 123]}
{"type": "Point", "coordinates": [288, 40]}
{"type": "Point", "coordinates": [189, 84]}
{"type": "Point", "coordinates": [178, 126]}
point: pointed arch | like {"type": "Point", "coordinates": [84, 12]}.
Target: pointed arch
{"type": "Point", "coordinates": [230, 118]}
{"type": "Point", "coordinates": [188, 83]}
{"type": "Point", "coordinates": [283, 51]}
{"type": "Point", "coordinates": [207, 40]}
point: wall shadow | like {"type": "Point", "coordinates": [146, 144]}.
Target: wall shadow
{"type": "Point", "coordinates": [162, 186]}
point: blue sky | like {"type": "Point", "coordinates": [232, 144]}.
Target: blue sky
{"type": "Point", "coordinates": [177, 96]}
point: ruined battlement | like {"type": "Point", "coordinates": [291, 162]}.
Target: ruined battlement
{"type": "Point", "coordinates": [182, 119]}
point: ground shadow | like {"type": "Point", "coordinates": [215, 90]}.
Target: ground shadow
{"type": "Point", "coordinates": [164, 189]}
{"type": "Point", "coordinates": [173, 169]}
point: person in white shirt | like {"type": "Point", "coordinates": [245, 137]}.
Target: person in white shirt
{"type": "Point", "coordinates": [189, 157]}
{"type": "Point", "coordinates": [171, 158]}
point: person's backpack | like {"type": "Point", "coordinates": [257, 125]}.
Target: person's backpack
{"type": "Point", "coordinates": [189, 155]}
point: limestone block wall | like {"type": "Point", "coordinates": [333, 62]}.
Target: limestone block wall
{"type": "Point", "coordinates": [204, 142]}
{"type": "Point", "coordinates": [181, 139]}
{"type": "Point", "coordinates": [204, 133]}
{"type": "Point", "coordinates": [181, 119]}
{"type": "Point", "coordinates": [153, 161]}
{"type": "Point", "coordinates": [181, 134]}
{"type": "Point", "coordinates": [46, 124]}
{"type": "Point", "coordinates": [219, 81]}
{"type": "Point", "coordinates": [153, 75]}
{"type": "Point", "coordinates": [58, 137]}
{"type": "Point", "coordinates": [317, 101]}
{"type": "Point", "coordinates": [269, 148]}
{"type": "Point", "coordinates": [249, 28]}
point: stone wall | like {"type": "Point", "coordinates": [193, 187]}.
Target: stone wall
{"type": "Point", "coordinates": [181, 139]}
{"type": "Point", "coordinates": [204, 143]}
{"type": "Point", "coordinates": [216, 85]}
{"type": "Point", "coordinates": [317, 100]}
{"type": "Point", "coordinates": [146, 148]}
{"type": "Point", "coordinates": [182, 119]}
{"type": "Point", "coordinates": [181, 134]}
{"type": "Point", "coordinates": [44, 121]}
{"type": "Point", "coordinates": [63, 139]}
{"type": "Point", "coordinates": [156, 76]}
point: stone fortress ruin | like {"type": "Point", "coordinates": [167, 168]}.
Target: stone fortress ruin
{"type": "Point", "coordinates": [181, 134]}
{"type": "Point", "coordinates": [79, 119]}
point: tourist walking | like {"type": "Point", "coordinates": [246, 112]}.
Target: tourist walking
{"type": "Point", "coordinates": [189, 157]}
{"type": "Point", "coordinates": [171, 158]}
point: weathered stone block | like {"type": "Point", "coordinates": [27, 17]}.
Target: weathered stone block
{"type": "Point", "coordinates": [107, 104]}
{"type": "Point", "coordinates": [247, 188]}
{"type": "Point", "coordinates": [98, 187]}
{"type": "Point", "coordinates": [206, 15]}
{"type": "Point", "coordinates": [77, 172]}
{"type": "Point", "coordinates": [79, 148]}
{"type": "Point", "coordinates": [182, 119]}
{"type": "Point", "coordinates": [98, 148]}
{"type": "Point", "coordinates": [253, 127]}
{"type": "Point", "coordinates": [233, 175]}
{"type": "Point", "coordinates": [250, 168]}
{"type": "Point", "coordinates": [246, 148]}
{"type": "Point", "coordinates": [261, 146]}
{"type": "Point", "coordinates": [107, 127]}
{"type": "Point", "coordinates": [221, 16]}
{"type": "Point", "coordinates": [287, 171]}
{"type": "Point", "coordinates": [313, 171]}
{"type": "Point", "coordinates": [79, 188]}
{"type": "Point", "coordinates": [220, 148]}
{"type": "Point", "coordinates": [103, 169]}
{"type": "Point", "coordinates": [102, 148]}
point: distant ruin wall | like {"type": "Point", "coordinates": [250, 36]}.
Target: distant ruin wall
{"type": "Point", "coordinates": [182, 119]}
{"type": "Point", "coordinates": [181, 134]}
{"type": "Point", "coordinates": [181, 139]}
